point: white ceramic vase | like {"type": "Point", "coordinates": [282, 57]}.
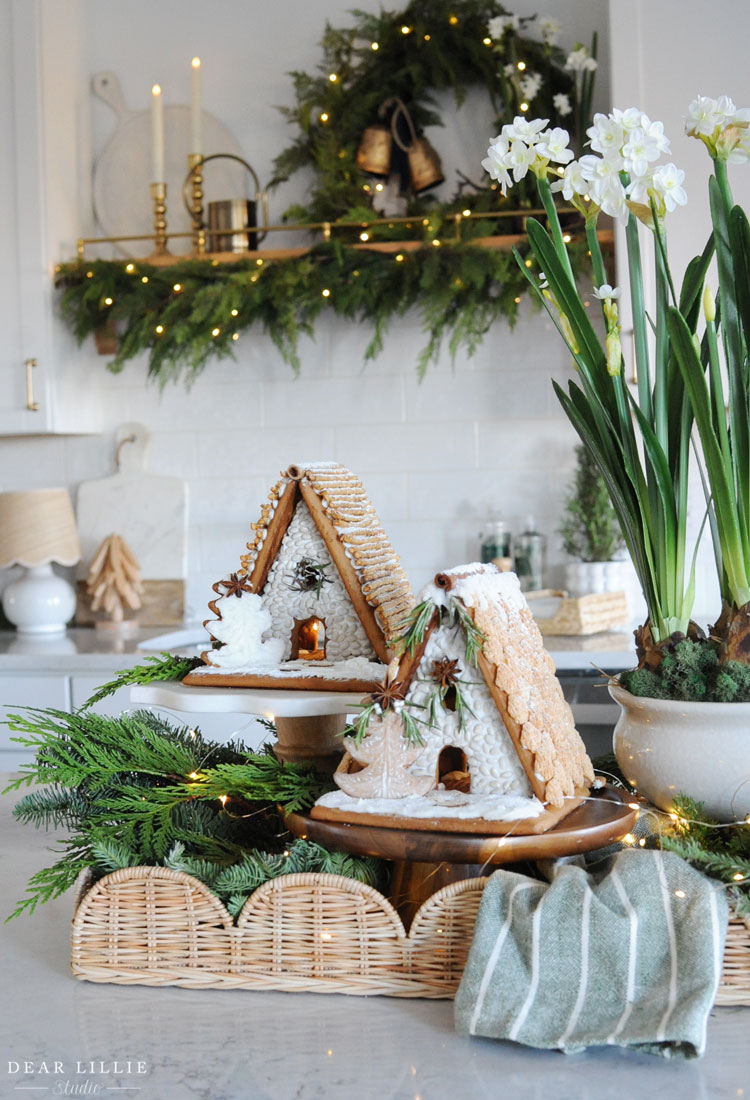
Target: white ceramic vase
{"type": "Point", "coordinates": [665, 748]}
{"type": "Point", "coordinates": [584, 577]}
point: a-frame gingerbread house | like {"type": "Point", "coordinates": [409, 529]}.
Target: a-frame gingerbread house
{"type": "Point", "coordinates": [320, 597]}
{"type": "Point", "coordinates": [499, 748]}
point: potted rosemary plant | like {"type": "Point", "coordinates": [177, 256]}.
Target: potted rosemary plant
{"type": "Point", "coordinates": [590, 531]}
{"type": "Point", "coordinates": [641, 440]}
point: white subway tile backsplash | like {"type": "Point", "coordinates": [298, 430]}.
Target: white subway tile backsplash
{"type": "Point", "coordinates": [262, 453]}
{"type": "Point", "coordinates": [434, 456]}
{"type": "Point", "coordinates": [404, 447]}
{"type": "Point", "coordinates": [307, 402]}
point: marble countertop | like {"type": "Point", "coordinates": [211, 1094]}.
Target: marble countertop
{"type": "Point", "coordinates": [85, 648]}
{"type": "Point", "coordinates": [244, 1045]}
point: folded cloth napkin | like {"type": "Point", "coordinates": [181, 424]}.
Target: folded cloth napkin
{"type": "Point", "coordinates": [627, 952]}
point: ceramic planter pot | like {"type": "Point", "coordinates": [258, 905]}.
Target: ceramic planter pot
{"type": "Point", "coordinates": [584, 577]}
{"type": "Point", "coordinates": [665, 748]}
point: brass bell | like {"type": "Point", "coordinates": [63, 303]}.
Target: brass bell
{"type": "Point", "coordinates": [425, 168]}
{"type": "Point", "coordinates": [374, 152]}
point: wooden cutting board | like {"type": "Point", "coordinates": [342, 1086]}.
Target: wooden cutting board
{"type": "Point", "coordinates": [150, 512]}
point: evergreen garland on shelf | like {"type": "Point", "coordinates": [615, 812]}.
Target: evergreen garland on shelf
{"type": "Point", "coordinates": [194, 310]}
{"type": "Point", "coordinates": [136, 790]}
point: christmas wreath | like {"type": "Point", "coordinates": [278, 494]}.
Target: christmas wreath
{"type": "Point", "coordinates": [376, 83]}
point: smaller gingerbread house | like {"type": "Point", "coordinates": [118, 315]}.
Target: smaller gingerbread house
{"type": "Point", "coordinates": [473, 732]}
{"type": "Point", "coordinates": [318, 600]}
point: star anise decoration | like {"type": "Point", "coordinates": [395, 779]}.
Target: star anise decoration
{"type": "Point", "coordinates": [445, 672]}
{"type": "Point", "coordinates": [236, 585]}
{"type": "Point", "coordinates": [385, 695]}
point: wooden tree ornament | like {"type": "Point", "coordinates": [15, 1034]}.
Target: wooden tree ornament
{"type": "Point", "coordinates": [114, 579]}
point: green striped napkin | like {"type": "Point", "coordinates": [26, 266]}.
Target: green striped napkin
{"type": "Point", "coordinates": [628, 952]}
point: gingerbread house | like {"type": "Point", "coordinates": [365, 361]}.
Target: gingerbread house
{"type": "Point", "coordinates": [489, 742]}
{"type": "Point", "coordinates": [319, 598]}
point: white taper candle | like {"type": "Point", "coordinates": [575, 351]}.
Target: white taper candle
{"type": "Point", "coordinates": [196, 129]}
{"type": "Point", "coordinates": [157, 135]}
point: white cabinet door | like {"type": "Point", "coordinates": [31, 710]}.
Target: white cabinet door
{"type": "Point", "coordinates": [21, 274]}
{"type": "Point", "coordinates": [17, 694]}
{"type": "Point", "coordinates": [42, 89]}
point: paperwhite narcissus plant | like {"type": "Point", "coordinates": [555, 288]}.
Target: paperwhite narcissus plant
{"type": "Point", "coordinates": [641, 439]}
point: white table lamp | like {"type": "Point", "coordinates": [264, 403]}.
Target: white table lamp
{"type": "Point", "coordinates": [37, 528]}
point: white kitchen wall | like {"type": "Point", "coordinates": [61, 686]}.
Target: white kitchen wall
{"type": "Point", "coordinates": [434, 456]}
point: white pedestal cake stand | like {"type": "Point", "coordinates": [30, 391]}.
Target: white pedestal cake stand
{"type": "Point", "coordinates": [308, 723]}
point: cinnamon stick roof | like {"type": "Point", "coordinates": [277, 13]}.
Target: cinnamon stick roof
{"type": "Point", "coordinates": [349, 525]}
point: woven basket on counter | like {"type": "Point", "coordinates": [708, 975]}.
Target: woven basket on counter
{"type": "Point", "coordinates": [305, 932]}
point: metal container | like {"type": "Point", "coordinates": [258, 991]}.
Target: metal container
{"type": "Point", "coordinates": [236, 218]}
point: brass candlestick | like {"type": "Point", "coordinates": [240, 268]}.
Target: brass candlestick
{"type": "Point", "coordinates": [195, 161]}
{"type": "Point", "coordinates": [159, 199]}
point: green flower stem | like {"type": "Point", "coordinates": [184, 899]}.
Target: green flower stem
{"type": "Point", "coordinates": [638, 306]}
{"type": "Point", "coordinates": [553, 223]}
{"type": "Point", "coordinates": [597, 260]}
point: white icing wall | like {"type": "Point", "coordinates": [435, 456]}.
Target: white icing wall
{"type": "Point", "coordinates": [345, 634]}
{"type": "Point", "coordinates": [433, 456]}
{"type": "Point", "coordinates": [493, 763]}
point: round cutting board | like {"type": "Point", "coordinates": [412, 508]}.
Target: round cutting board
{"type": "Point", "coordinates": [122, 176]}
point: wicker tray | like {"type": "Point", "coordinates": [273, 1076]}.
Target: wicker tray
{"type": "Point", "coordinates": [306, 932]}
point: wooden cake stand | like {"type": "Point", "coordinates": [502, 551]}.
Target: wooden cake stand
{"type": "Point", "coordinates": [425, 861]}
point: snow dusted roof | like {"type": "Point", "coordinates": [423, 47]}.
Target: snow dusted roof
{"type": "Point", "coordinates": [519, 674]}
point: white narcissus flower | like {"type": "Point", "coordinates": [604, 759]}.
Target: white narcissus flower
{"type": "Point", "coordinates": [553, 145]}
{"type": "Point", "coordinates": [579, 60]}
{"type": "Point", "coordinates": [606, 135]}
{"type": "Point", "coordinates": [510, 69]}
{"type": "Point", "coordinates": [667, 183]}
{"type": "Point", "coordinates": [530, 85]}
{"type": "Point", "coordinates": [607, 291]}
{"type": "Point", "coordinates": [522, 157]}
{"type": "Point", "coordinates": [561, 103]}
{"type": "Point", "coordinates": [496, 162]}
{"type": "Point", "coordinates": [573, 182]}
{"type": "Point", "coordinates": [628, 119]}
{"type": "Point", "coordinates": [525, 129]}
{"type": "Point", "coordinates": [496, 27]}
{"type": "Point", "coordinates": [549, 29]}
{"type": "Point", "coordinates": [702, 116]}
{"type": "Point", "coordinates": [639, 151]}
{"type": "Point", "coordinates": [654, 131]}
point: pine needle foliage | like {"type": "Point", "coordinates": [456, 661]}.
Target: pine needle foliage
{"type": "Point", "coordinates": [459, 289]}
{"type": "Point", "coordinates": [131, 789]}
{"type": "Point", "coordinates": [722, 853]}
{"type": "Point", "coordinates": [161, 668]}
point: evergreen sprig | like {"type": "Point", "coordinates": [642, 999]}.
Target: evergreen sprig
{"type": "Point", "coordinates": [723, 853]}
{"type": "Point", "coordinates": [164, 667]}
{"type": "Point", "coordinates": [459, 289]}
{"type": "Point", "coordinates": [135, 788]}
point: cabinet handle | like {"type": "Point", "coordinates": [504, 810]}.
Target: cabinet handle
{"type": "Point", "coordinates": [31, 404]}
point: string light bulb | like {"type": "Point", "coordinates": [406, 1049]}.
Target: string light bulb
{"type": "Point", "coordinates": [333, 77]}
{"type": "Point", "coordinates": [177, 288]}
{"type": "Point", "coordinates": [234, 312]}
{"type": "Point", "coordinates": [159, 330]}
{"type": "Point", "coordinates": [326, 293]}
{"type": "Point", "coordinates": [453, 20]}
{"type": "Point", "coordinates": [486, 41]}
{"type": "Point", "coordinates": [108, 301]}
{"type": "Point", "coordinates": [324, 116]}
{"type": "Point", "coordinates": [521, 65]}
{"type": "Point", "coordinates": [130, 268]}
{"type": "Point", "coordinates": [144, 278]}
{"type": "Point", "coordinates": [405, 29]}
{"type": "Point", "coordinates": [374, 45]}
{"type": "Point", "coordinates": [215, 331]}
{"type": "Point", "coordinates": [524, 106]}
{"type": "Point", "coordinates": [364, 236]}
{"type": "Point", "coordinates": [399, 257]}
